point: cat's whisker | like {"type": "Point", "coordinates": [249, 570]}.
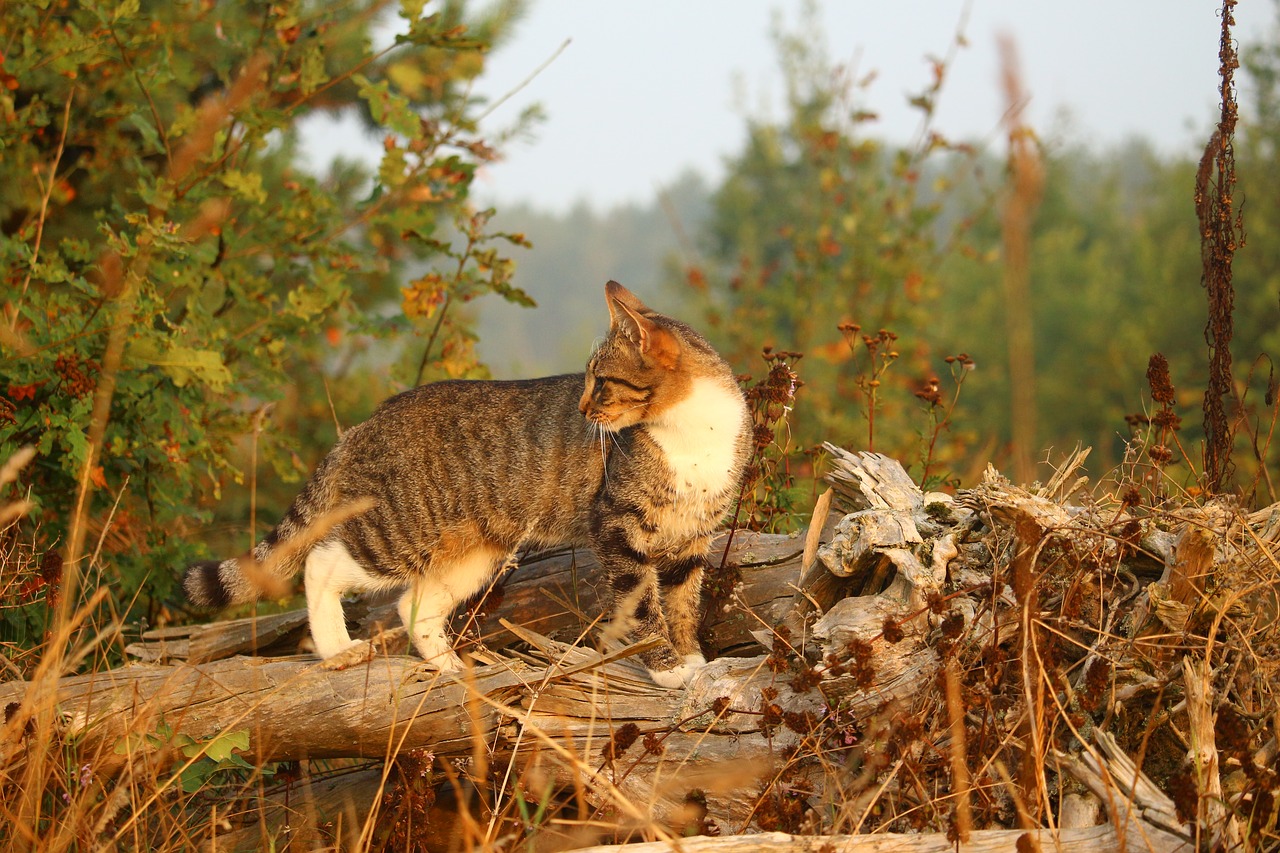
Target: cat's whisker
{"type": "Point", "coordinates": [617, 445]}
{"type": "Point", "coordinates": [604, 458]}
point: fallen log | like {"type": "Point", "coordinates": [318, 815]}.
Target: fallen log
{"type": "Point", "coordinates": [556, 593]}
{"type": "Point", "coordinates": [1098, 839]}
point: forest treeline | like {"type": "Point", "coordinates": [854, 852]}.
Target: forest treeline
{"type": "Point", "coordinates": [1116, 278]}
{"type": "Point", "coordinates": [192, 312]}
{"type": "Point", "coordinates": [820, 226]}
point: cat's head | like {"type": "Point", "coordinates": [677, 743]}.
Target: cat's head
{"type": "Point", "coordinates": [644, 365]}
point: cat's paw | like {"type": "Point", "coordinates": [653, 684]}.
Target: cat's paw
{"type": "Point", "coordinates": [437, 653]}
{"type": "Point", "coordinates": [445, 662]}
{"type": "Point", "coordinates": [353, 653]}
{"type": "Point", "coordinates": [680, 675]}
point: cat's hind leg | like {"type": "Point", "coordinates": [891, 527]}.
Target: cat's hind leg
{"type": "Point", "coordinates": [426, 605]}
{"type": "Point", "coordinates": [330, 573]}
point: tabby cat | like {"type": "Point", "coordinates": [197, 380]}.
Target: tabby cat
{"type": "Point", "coordinates": [639, 458]}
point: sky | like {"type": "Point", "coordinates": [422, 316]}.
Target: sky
{"type": "Point", "coordinates": [646, 89]}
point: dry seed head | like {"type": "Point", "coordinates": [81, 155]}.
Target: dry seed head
{"type": "Point", "coordinates": [623, 737]}
{"type": "Point", "coordinates": [1158, 379]}
{"type": "Point", "coordinates": [930, 391]}
{"type": "Point", "coordinates": [891, 631]}
{"type": "Point", "coordinates": [807, 679]}
{"type": "Point", "coordinates": [800, 722]}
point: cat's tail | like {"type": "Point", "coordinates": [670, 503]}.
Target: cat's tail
{"type": "Point", "coordinates": [280, 555]}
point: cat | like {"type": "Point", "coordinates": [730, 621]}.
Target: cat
{"type": "Point", "coordinates": [640, 458]}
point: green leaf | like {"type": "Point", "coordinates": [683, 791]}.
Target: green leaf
{"type": "Point", "coordinates": [183, 365]}
{"type": "Point", "coordinates": [308, 302]}
{"type": "Point", "coordinates": [408, 77]}
{"type": "Point", "coordinates": [391, 171]}
{"type": "Point", "coordinates": [220, 748]}
{"type": "Point", "coordinates": [312, 72]}
{"type": "Point", "coordinates": [130, 743]}
{"type": "Point", "coordinates": [147, 130]}
{"type": "Point", "coordinates": [125, 10]}
{"type": "Point", "coordinates": [514, 295]}
{"type": "Point", "coordinates": [77, 441]}
{"type": "Point", "coordinates": [428, 32]}
{"type": "Point", "coordinates": [388, 108]}
{"type": "Point", "coordinates": [246, 185]}
{"type": "Point", "coordinates": [194, 777]}
{"type": "Point", "coordinates": [411, 10]}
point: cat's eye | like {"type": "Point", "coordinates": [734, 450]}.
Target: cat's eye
{"type": "Point", "coordinates": [617, 380]}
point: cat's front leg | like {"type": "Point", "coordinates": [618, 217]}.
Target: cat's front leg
{"type": "Point", "coordinates": [680, 583]}
{"type": "Point", "coordinates": [637, 606]}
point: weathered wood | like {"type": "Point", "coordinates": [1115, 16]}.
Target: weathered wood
{"type": "Point", "coordinates": [296, 709]}
{"type": "Point", "coordinates": [871, 481]}
{"type": "Point", "coordinates": [1194, 552]}
{"type": "Point", "coordinates": [293, 708]}
{"type": "Point", "coordinates": [1127, 793]}
{"type": "Point", "coordinates": [304, 813]}
{"type": "Point", "coordinates": [200, 643]}
{"type": "Point", "coordinates": [1198, 684]}
{"type": "Point", "coordinates": [1098, 839]}
{"type": "Point", "coordinates": [863, 535]}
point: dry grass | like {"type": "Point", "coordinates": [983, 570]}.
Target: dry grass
{"type": "Point", "coordinates": [1068, 615]}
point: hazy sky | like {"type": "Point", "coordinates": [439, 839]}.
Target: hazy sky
{"type": "Point", "coordinates": [647, 88]}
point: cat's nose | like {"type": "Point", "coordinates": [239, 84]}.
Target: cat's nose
{"type": "Point", "coordinates": [584, 403]}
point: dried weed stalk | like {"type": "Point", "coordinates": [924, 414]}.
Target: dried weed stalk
{"type": "Point", "coordinates": [1221, 234]}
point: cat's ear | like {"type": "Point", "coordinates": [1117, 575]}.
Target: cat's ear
{"type": "Point", "coordinates": [621, 302]}
{"type": "Point", "coordinates": [626, 314]}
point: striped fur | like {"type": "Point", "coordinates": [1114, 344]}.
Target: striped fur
{"type": "Point", "coordinates": [639, 457]}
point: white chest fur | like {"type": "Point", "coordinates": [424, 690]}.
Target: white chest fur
{"type": "Point", "coordinates": [699, 437]}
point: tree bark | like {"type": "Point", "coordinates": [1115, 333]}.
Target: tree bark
{"type": "Point", "coordinates": [1097, 839]}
